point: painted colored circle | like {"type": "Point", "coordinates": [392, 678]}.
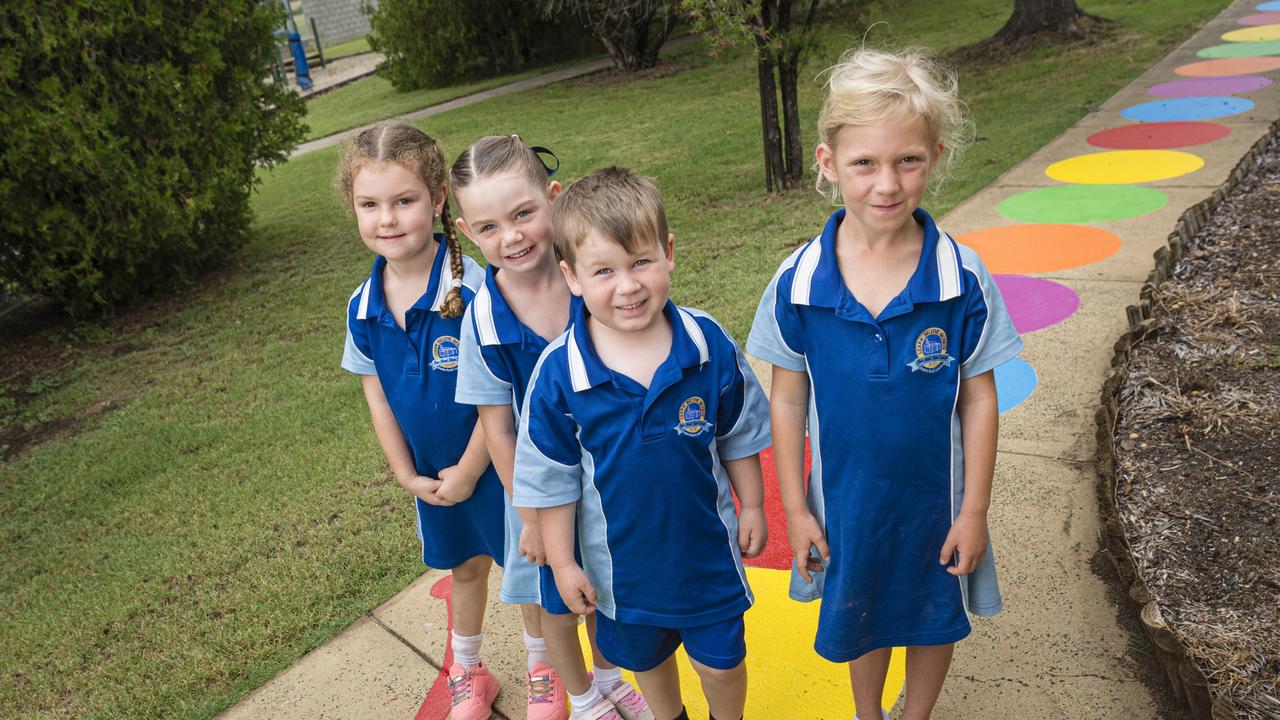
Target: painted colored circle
{"type": "Point", "coordinates": [1082, 203]}
{"type": "Point", "coordinates": [1036, 303]}
{"type": "Point", "coordinates": [1159, 135]}
{"type": "Point", "coordinates": [1228, 66]}
{"type": "Point", "coordinates": [1196, 87]}
{"type": "Point", "coordinates": [1192, 108]}
{"type": "Point", "coordinates": [1241, 49]}
{"type": "Point", "coordinates": [1260, 33]}
{"type": "Point", "coordinates": [1014, 382]}
{"type": "Point", "coordinates": [1023, 249]}
{"type": "Point", "coordinates": [1267, 6]}
{"type": "Point", "coordinates": [1120, 167]}
{"type": "Point", "coordinates": [1262, 18]}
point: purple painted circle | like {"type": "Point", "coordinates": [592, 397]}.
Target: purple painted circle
{"type": "Point", "coordinates": [1200, 87]}
{"type": "Point", "coordinates": [1034, 303]}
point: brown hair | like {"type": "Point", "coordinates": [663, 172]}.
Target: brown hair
{"type": "Point", "coordinates": [408, 146]}
{"type": "Point", "coordinates": [615, 203]}
{"type": "Point", "coordinates": [494, 154]}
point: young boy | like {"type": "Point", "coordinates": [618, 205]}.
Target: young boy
{"type": "Point", "coordinates": [638, 421]}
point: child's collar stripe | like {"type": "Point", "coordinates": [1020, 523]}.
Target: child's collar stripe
{"type": "Point", "coordinates": [949, 282]}
{"type": "Point", "coordinates": [806, 267]}
{"type": "Point", "coordinates": [363, 312]}
{"type": "Point", "coordinates": [695, 333]}
{"type": "Point", "coordinates": [577, 366]}
{"type": "Point", "coordinates": [482, 310]}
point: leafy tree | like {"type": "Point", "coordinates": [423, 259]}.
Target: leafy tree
{"type": "Point", "coordinates": [132, 132]}
{"type": "Point", "coordinates": [1036, 16]}
{"type": "Point", "coordinates": [781, 33]}
{"type": "Point", "coordinates": [632, 31]}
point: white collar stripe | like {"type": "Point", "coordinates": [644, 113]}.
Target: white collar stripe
{"type": "Point", "coordinates": [446, 279]}
{"type": "Point", "coordinates": [577, 368]}
{"type": "Point", "coordinates": [949, 284]}
{"type": "Point", "coordinates": [483, 309]}
{"type": "Point", "coordinates": [363, 312]}
{"type": "Point", "coordinates": [802, 282]}
{"type": "Point", "coordinates": [695, 334]}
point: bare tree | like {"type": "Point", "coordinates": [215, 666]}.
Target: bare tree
{"type": "Point", "coordinates": [1030, 17]}
{"type": "Point", "coordinates": [632, 31]}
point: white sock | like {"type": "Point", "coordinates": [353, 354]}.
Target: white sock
{"type": "Point", "coordinates": [466, 650]}
{"type": "Point", "coordinates": [536, 647]}
{"type": "Point", "coordinates": [584, 702]}
{"type": "Point", "coordinates": [606, 679]}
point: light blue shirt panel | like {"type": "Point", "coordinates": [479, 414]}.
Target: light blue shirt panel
{"type": "Point", "coordinates": [999, 341]}
{"type": "Point", "coordinates": [774, 314]}
{"type": "Point", "coordinates": [743, 427]}
{"type": "Point", "coordinates": [478, 380]}
{"type": "Point", "coordinates": [356, 355]}
{"type": "Point", "coordinates": [548, 471]}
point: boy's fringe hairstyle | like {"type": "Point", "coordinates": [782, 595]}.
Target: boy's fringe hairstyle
{"type": "Point", "coordinates": [494, 154]}
{"type": "Point", "coordinates": [615, 203]}
{"type": "Point", "coordinates": [419, 152]}
{"type": "Point", "coordinates": [874, 87]}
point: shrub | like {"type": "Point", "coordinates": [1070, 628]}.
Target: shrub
{"type": "Point", "coordinates": [132, 131]}
{"type": "Point", "coordinates": [435, 43]}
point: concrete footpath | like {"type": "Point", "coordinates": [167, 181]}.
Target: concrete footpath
{"type": "Point", "coordinates": [1063, 647]}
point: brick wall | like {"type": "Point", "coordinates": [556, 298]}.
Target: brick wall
{"type": "Point", "coordinates": [336, 20]}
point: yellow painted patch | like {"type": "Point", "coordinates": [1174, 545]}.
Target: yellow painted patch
{"type": "Point", "coordinates": [1254, 34]}
{"type": "Point", "coordinates": [785, 677]}
{"type": "Point", "coordinates": [1124, 166]}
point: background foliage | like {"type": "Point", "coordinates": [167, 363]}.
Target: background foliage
{"type": "Point", "coordinates": [132, 132]}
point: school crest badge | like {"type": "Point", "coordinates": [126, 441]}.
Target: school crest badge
{"type": "Point", "coordinates": [931, 351]}
{"type": "Point", "coordinates": [693, 417]}
{"type": "Point", "coordinates": [444, 353]}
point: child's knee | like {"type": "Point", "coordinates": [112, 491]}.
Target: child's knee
{"type": "Point", "coordinates": [473, 569]}
{"type": "Point", "coordinates": [722, 676]}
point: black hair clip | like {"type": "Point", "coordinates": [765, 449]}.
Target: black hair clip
{"type": "Point", "coordinates": [540, 151]}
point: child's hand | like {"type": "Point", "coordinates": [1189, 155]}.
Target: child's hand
{"type": "Point", "coordinates": [803, 533]}
{"type": "Point", "coordinates": [425, 489]}
{"type": "Point", "coordinates": [967, 541]}
{"type": "Point", "coordinates": [575, 589]}
{"type": "Point", "coordinates": [753, 531]}
{"type": "Point", "coordinates": [455, 485]}
{"type": "Point", "coordinates": [531, 541]}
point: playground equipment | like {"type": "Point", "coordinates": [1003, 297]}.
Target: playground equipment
{"type": "Point", "coordinates": [297, 55]}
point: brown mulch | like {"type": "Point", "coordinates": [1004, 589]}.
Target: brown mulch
{"type": "Point", "coordinates": [1198, 446]}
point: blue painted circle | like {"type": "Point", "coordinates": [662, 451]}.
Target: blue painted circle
{"type": "Point", "coordinates": [1269, 6]}
{"type": "Point", "coordinates": [1014, 382]}
{"type": "Point", "coordinates": [1190, 108]}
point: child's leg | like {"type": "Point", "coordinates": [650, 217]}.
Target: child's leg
{"type": "Point", "coordinates": [661, 687]}
{"type": "Point", "coordinates": [564, 651]}
{"type": "Point", "coordinates": [867, 675]}
{"type": "Point", "coordinates": [726, 690]}
{"type": "Point", "coordinates": [534, 639]}
{"type": "Point", "coordinates": [926, 669]}
{"type": "Point", "coordinates": [470, 595]}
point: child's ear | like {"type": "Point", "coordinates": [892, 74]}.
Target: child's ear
{"type": "Point", "coordinates": [826, 156]}
{"type": "Point", "coordinates": [570, 278]}
{"type": "Point", "coordinates": [671, 252]}
{"type": "Point", "coordinates": [464, 228]}
{"type": "Point", "coordinates": [553, 190]}
{"type": "Point", "coordinates": [439, 197]}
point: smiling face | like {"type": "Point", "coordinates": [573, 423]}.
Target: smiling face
{"type": "Point", "coordinates": [509, 219]}
{"type": "Point", "coordinates": [623, 291]}
{"type": "Point", "coordinates": [395, 211]}
{"type": "Point", "coordinates": [882, 172]}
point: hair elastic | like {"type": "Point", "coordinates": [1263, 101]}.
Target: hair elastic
{"type": "Point", "coordinates": [456, 284]}
{"type": "Point", "coordinates": [540, 151]}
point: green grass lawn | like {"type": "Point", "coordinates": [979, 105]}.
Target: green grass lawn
{"type": "Point", "coordinates": [344, 49]}
{"type": "Point", "coordinates": [216, 505]}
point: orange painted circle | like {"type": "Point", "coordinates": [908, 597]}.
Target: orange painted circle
{"type": "Point", "coordinates": [1022, 249]}
{"type": "Point", "coordinates": [1229, 66]}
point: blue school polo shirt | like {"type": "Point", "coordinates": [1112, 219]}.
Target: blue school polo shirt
{"type": "Point", "coordinates": [656, 521]}
{"type": "Point", "coordinates": [888, 468]}
{"type": "Point", "coordinates": [417, 368]}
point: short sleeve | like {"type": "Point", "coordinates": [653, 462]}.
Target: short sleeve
{"type": "Point", "coordinates": [743, 423]}
{"type": "Point", "coordinates": [357, 355]}
{"type": "Point", "coordinates": [775, 333]}
{"type": "Point", "coordinates": [990, 338]}
{"type": "Point", "coordinates": [548, 465]}
{"type": "Point", "coordinates": [481, 377]}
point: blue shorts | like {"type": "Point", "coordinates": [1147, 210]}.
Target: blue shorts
{"type": "Point", "coordinates": [640, 648]}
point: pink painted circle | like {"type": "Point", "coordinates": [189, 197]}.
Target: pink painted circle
{"type": "Point", "coordinates": [1159, 135]}
{"type": "Point", "coordinates": [1263, 18]}
{"type": "Point", "coordinates": [1036, 303]}
{"type": "Point", "coordinates": [1202, 86]}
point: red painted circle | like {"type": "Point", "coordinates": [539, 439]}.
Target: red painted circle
{"type": "Point", "coordinates": [1159, 135]}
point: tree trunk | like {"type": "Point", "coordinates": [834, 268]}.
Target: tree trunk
{"type": "Point", "coordinates": [1033, 16]}
{"type": "Point", "coordinates": [774, 173]}
{"type": "Point", "coordinates": [788, 72]}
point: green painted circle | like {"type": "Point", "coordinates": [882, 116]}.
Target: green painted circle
{"type": "Point", "coordinates": [1082, 203]}
{"type": "Point", "coordinates": [1241, 49]}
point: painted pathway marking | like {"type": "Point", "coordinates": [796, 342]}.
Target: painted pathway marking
{"type": "Point", "coordinates": [438, 703]}
{"type": "Point", "coordinates": [1228, 66]}
{"type": "Point", "coordinates": [1261, 33]}
{"type": "Point", "coordinates": [1241, 50]}
{"type": "Point", "coordinates": [1262, 18]}
{"type": "Point", "coordinates": [1122, 167]}
{"type": "Point", "coordinates": [1081, 203]}
{"type": "Point", "coordinates": [1188, 108]}
{"type": "Point", "coordinates": [1159, 135]}
{"type": "Point", "coordinates": [1196, 87]}
{"type": "Point", "coordinates": [1036, 303]}
{"type": "Point", "coordinates": [1269, 6]}
{"type": "Point", "coordinates": [1014, 382]}
{"type": "Point", "coordinates": [1021, 249]}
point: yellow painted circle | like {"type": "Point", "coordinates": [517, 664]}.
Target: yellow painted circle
{"type": "Point", "coordinates": [1124, 166]}
{"type": "Point", "coordinates": [1260, 33]}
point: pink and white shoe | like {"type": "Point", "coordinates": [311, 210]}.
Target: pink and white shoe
{"type": "Point", "coordinates": [472, 692]}
{"type": "Point", "coordinates": [603, 710]}
{"type": "Point", "coordinates": [630, 703]}
{"type": "Point", "coordinates": [547, 699]}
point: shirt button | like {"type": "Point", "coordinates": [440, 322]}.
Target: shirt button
{"type": "Point", "coordinates": [879, 337]}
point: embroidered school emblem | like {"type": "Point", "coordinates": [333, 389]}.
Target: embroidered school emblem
{"type": "Point", "coordinates": [444, 353]}
{"type": "Point", "coordinates": [931, 351]}
{"type": "Point", "coordinates": [693, 417]}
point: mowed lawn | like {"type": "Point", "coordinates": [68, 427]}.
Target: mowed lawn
{"type": "Point", "coordinates": [217, 504]}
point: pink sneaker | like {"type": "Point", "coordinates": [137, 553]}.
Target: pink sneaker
{"type": "Point", "coordinates": [472, 691]}
{"type": "Point", "coordinates": [603, 710]}
{"type": "Point", "coordinates": [630, 704]}
{"type": "Point", "coordinates": [547, 700]}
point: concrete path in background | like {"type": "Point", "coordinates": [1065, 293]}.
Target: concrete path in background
{"type": "Point", "coordinates": [1063, 647]}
